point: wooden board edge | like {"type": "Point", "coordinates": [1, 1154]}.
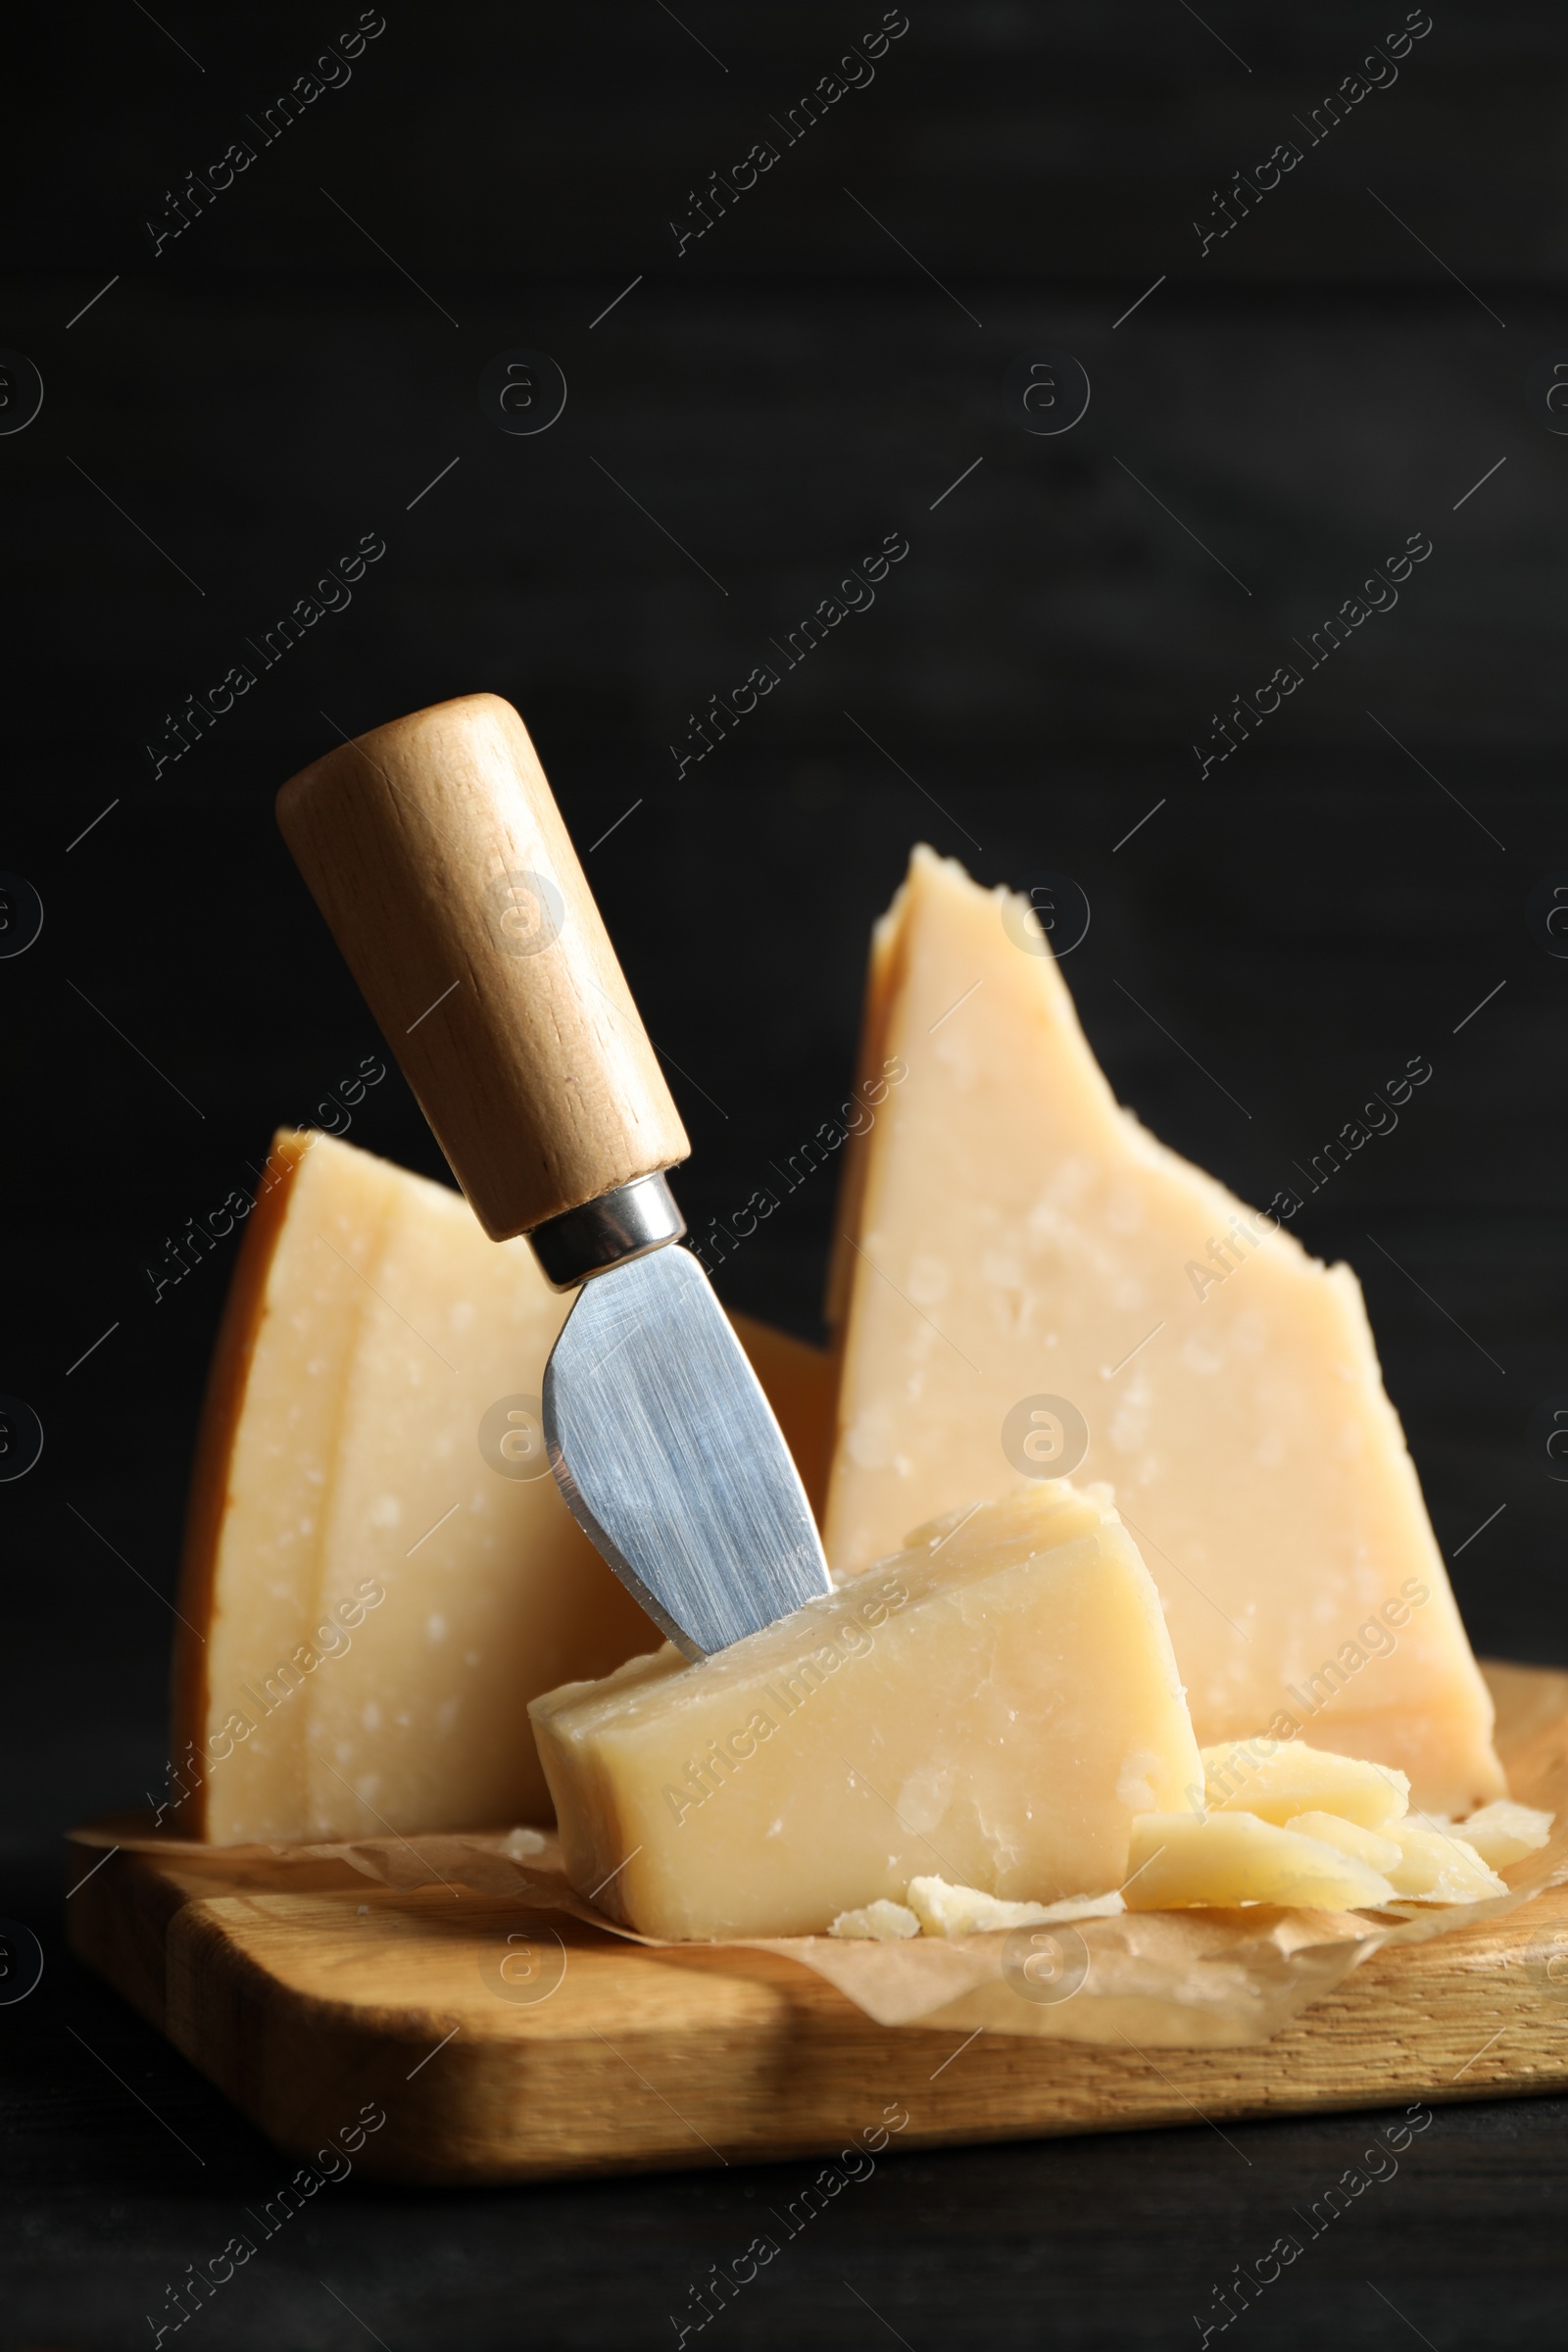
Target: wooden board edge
{"type": "Point", "coordinates": [118, 1922]}
{"type": "Point", "coordinates": [773, 2064]}
{"type": "Point", "coordinates": [492, 2110]}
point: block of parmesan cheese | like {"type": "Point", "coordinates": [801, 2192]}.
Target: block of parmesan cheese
{"type": "Point", "coordinates": [994, 1706]}
{"type": "Point", "coordinates": [380, 1571]}
{"type": "Point", "coordinates": [1027, 1281]}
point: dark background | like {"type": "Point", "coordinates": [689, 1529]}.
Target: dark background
{"type": "Point", "coordinates": [229, 417]}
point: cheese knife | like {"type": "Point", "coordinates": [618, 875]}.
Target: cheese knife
{"type": "Point", "coordinates": [436, 853]}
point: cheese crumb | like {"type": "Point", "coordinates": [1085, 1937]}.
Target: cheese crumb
{"type": "Point", "coordinates": [945, 1910]}
{"type": "Point", "coordinates": [880, 1921]}
{"type": "Point", "coordinates": [1084, 1906]}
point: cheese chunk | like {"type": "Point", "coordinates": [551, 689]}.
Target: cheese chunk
{"type": "Point", "coordinates": [1435, 1867]}
{"type": "Point", "coordinates": [1505, 1833]}
{"type": "Point", "coordinates": [997, 1701]}
{"type": "Point", "coordinates": [1181, 1861]}
{"type": "Point", "coordinates": [944, 1910]}
{"type": "Point", "coordinates": [1277, 1779]}
{"type": "Point", "coordinates": [1379, 1853]}
{"type": "Point", "coordinates": [373, 1594]}
{"type": "Point", "coordinates": [1011, 1240]}
{"type": "Point", "coordinates": [880, 1921]}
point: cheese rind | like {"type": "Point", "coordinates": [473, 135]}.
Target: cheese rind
{"type": "Point", "coordinates": [1001, 1700]}
{"type": "Point", "coordinates": [371, 1596]}
{"type": "Point", "coordinates": [1011, 1237]}
{"type": "Point", "coordinates": [251, 1571]}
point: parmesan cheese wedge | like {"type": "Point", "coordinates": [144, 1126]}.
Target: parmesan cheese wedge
{"type": "Point", "coordinates": [998, 1701]}
{"type": "Point", "coordinates": [380, 1570]}
{"type": "Point", "coordinates": [1184, 1861]}
{"type": "Point", "coordinates": [1013, 1241]}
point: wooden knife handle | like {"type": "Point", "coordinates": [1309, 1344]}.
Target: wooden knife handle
{"type": "Point", "coordinates": [435, 850]}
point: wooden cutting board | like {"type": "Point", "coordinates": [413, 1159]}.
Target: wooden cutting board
{"type": "Point", "coordinates": [341, 1998]}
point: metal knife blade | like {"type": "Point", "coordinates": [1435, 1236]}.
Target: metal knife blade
{"type": "Point", "coordinates": [671, 1461]}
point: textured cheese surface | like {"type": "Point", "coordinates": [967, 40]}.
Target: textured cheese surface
{"type": "Point", "coordinates": [379, 1602]}
{"type": "Point", "coordinates": [1018, 1237]}
{"type": "Point", "coordinates": [996, 1705]}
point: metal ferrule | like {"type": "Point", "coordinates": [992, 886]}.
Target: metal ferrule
{"type": "Point", "coordinates": [629, 1222]}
